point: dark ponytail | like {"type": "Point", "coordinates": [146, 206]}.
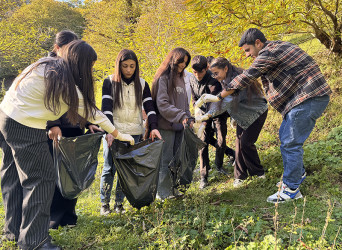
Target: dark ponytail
{"type": "Point", "coordinates": [63, 38]}
{"type": "Point", "coordinates": [221, 63]}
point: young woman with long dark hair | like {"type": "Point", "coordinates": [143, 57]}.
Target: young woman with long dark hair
{"type": "Point", "coordinates": [62, 211]}
{"type": "Point", "coordinates": [248, 108]}
{"type": "Point", "coordinates": [169, 94]}
{"type": "Point", "coordinates": [44, 91]}
{"type": "Point", "coordinates": [124, 95]}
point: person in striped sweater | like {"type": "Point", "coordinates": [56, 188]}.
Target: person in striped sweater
{"type": "Point", "coordinates": [124, 95]}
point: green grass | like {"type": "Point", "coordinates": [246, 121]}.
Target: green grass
{"type": "Point", "coordinates": [221, 216]}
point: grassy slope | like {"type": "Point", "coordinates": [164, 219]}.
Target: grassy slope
{"type": "Point", "coordinates": [222, 216]}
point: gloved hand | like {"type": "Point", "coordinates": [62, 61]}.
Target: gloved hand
{"type": "Point", "coordinates": [200, 130]}
{"type": "Point", "coordinates": [210, 98]}
{"type": "Point", "coordinates": [199, 102]}
{"type": "Point", "coordinates": [198, 112]}
{"type": "Point", "coordinates": [125, 137]}
{"type": "Point", "coordinates": [206, 98]}
{"type": "Point", "coordinates": [203, 117]}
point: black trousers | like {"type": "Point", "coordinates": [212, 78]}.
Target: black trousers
{"type": "Point", "coordinates": [247, 159]}
{"type": "Point", "coordinates": [228, 151]}
{"type": "Point", "coordinates": [62, 210]}
{"type": "Point", "coordinates": [27, 182]}
{"type": "Point", "coordinates": [220, 128]}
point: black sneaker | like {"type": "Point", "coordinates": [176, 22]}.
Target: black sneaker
{"type": "Point", "coordinates": [203, 183]}
{"type": "Point", "coordinates": [105, 210]}
{"type": "Point", "coordinates": [119, 209]}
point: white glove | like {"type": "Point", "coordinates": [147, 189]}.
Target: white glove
{"type": "Point", "coordinates": [206, 98]}
{"type": "Point", "coordinates": [200, 130]}
{"type": "Point", "coordinates": [210, 98]}
{"type": "Point", "coordinates": [198, 112]}
{"type": "Point", "coordinates": [125, 137]}
{"type": "Point", "coordinates": [203, 117]}
{"type": "Point", "coordinates": [199, 102]}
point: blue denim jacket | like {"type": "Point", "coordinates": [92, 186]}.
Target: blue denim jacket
{"type": "Point", "coordinates": [245, 113]}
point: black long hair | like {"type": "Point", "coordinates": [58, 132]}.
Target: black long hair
{"type": "Point", "coordinates": [169, 67]}
{"type": "Point", "coordinates": [254, 88]}
{"type": "Point", "coordinates": [124, 55]}
{"type": "Point", "coordinates": [80, 57]}
{"type": "Point", "coordinates": [63, 74]}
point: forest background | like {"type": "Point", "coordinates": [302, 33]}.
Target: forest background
{"type": "Point", "coordinates": [220, 216]}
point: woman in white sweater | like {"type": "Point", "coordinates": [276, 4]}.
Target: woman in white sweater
{"type": "Point", "coordinates": [124, 94]}
{"type": "Point", "coordinates": [44, 91]}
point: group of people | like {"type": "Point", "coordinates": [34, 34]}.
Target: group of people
{"type": "Point", "coordinates": [56, 94]}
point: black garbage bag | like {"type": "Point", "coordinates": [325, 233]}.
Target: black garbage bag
{"type": "Point", "coordinates": [75, 160]}
{"type": "Point", "coordinates": [184, 162]}
{"type": "Point", "coordinates": [138, 170]}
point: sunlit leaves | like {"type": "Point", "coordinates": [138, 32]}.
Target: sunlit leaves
{"type": "Point", "coordinates": [109, 28]}
{"type": "Point", "coordinates": [28, 33]}
{"type": "Point", "coordinates": [222, 22]}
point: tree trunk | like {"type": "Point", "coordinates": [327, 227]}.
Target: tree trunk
{"type": "Point", "coordinates": [331, 43]}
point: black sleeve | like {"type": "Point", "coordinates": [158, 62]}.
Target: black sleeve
{"type": "Point", "coordinates": [149, 108]}
{"type": "Point", "coordinates": [107, 99]}
{"type": "Point", "coordinates": [214, 86]}
{"type": "Point", "coordinates": [193, 85]}
{"type": "Point", "coordinates": [50, 124]}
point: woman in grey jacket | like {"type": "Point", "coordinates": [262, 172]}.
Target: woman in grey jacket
{"type": "Point", "coordinates": [248, 108]}
{"type": "Point", "coordinates": [169, 94]}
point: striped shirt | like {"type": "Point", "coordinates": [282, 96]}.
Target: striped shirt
{"type": "Point", "coordinates": [289, 75]}
{"type": "Point", "coordinates": [148, 105]}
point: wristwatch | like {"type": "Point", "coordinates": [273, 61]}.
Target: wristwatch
{"type": "Point", "coordinates": [219, 96]}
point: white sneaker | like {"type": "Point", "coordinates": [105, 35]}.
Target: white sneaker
{"type": "Point", "coordinates": [238, 183]}
{"type": "Point", "coordinates": [285, 194]}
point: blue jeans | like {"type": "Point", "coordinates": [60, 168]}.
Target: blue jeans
{"type": "Point", "coordinates": [108, 173]}
{"type": "Point", "coordinates": [294, 130]}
